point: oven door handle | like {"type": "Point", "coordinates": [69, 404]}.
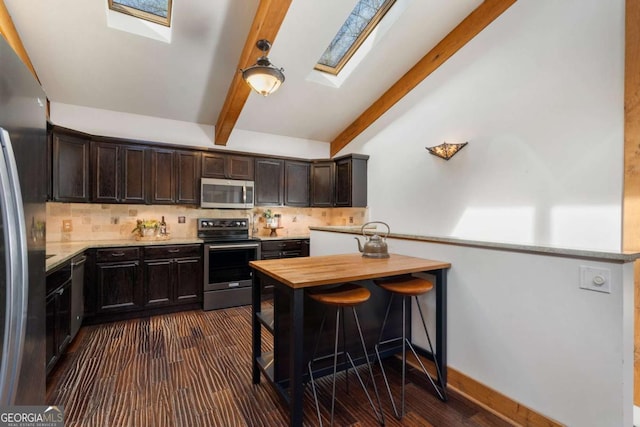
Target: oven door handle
{"type": "Point", "coordinates": [248, 246]}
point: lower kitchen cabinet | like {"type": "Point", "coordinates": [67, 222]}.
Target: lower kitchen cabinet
{"type": "Point", "coordinates": [58, 315]}
{"type": "Point", "coordinates": [172, 275]}
{"type": "Point", "coordinates": [118, 280]}
{"type": "Point", "coordinates": [286, 248]}
{"type": "Point", "coordinates": [132, 282]}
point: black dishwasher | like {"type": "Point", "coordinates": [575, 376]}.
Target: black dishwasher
{"type": "Point", "coordinates": [58, 314]}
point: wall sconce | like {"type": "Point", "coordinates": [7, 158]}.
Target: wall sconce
{"type": "Point", "coordinates": [446, 151]}
{"type": "Point", "coordinates": [263, 77]}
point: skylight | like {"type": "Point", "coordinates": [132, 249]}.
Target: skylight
{"type": "Point", "coordinates": [361, 21]}
{"type": "Point", "coordinates": [156, 11]}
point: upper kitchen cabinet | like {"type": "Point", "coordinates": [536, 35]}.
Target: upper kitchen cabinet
{"type": "Point", "coordinates": [351, 181]}
{"type": "Point", "coordinates": [269, 182]}
{"type": "Point", "coordinates": [322, 183]}
{"type": "Point", "coordinates": [70, 169]}
{"type": "Point", "coordinates": [163, 176]}
{"type": "Point", "coordinates": [340, 183]}
{"type": "Point", "coordinates": [119, 173]}
{"type": "Point", "coordinates": [187, 165]}
{"type": "Point", "coordinates": [217, 165]}
{"type": "Point", "coordinates": [175, 176]}
{"type": "Point", "coordinates": [296, 183]}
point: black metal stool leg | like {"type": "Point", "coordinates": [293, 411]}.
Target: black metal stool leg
{"type": "Point", "coordinates": [377, 349]}
{"type": "Point", "coordinates": [380, 414]}
{"type": "Point", "coordinates": [440, 390]}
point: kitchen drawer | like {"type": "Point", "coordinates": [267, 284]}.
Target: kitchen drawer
{"type": "Point", "coordinates": [282, 245]}
{"type": "Point", "coordinates": [117, 254]}
{"type": "Point", "coordinates": [172, 251]}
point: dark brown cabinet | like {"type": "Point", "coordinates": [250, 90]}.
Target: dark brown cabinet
{"type": "Point", "coordinates": [118, 173]}
{"type": "Point", "coordinates": [118, 280]}
{"type": "Point", "coordinates": [163, 177]}
{"type": "Point", "coordinates": [58, 315]}
{"type": "Point", "coordinates": [175, 176]}
{"type": "Point", "coordinates": [296, 183]}
{"type": "Point", "coordinates": [322, 183]}
{"type": "Point", "coordinates": [110, 170]}
{"type": "Point", "coordinates": [131, 282]}
{"type": "Point", "coordinates": [351, 181]}
{"type": "Point", "coordinates": [70, 169]}
{"type": "Point", "coordinates": [277, 249]}
{"type": "Point", "coordinates": [187, 177]}
{"type": "Point", "coordinates": [269, 182]}
{"type": "Point", "coordinates": [216, 165]}
{"type": "Point", "coordinates": [285, 248]}
{"type": "Point", "coordinates": [340, 183]}
{"type": "Point", "coordinates": [173, 275]}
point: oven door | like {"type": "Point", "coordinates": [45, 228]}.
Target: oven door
{"type": "Point", "coordinates": [226, 265]}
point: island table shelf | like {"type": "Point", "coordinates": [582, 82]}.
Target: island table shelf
{"type": "Point", "coordinates": [285, 366]}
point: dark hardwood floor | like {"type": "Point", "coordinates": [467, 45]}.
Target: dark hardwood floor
{"type": "Point", "coordinates": [194, 369]}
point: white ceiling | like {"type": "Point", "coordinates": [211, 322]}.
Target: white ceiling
{"type": "Point", "coordinates": [81, 61]}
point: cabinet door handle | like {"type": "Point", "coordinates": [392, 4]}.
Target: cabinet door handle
{"type": "Point", "coordinates": [117, 254]}
{"type": "Point", "coordinates": [174, 251]}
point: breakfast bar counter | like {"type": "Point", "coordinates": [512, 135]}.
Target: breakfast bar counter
{"type": "Point", "coordinates": [294, 319]}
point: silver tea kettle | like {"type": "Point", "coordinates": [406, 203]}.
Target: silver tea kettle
{"type": "Point", "coordinates": [375, 246]}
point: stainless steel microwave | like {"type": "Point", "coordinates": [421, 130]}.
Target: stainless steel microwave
{"type": "Point", "coordinates": [226, 193]}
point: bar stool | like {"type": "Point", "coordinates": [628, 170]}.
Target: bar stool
{"type": "Point", "coordinates": [347, 295]}
{"type": "Point", "coordinates": [407, 287]}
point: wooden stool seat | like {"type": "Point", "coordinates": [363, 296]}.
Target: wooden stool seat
{"type": "Point", "coordinates": [343, 296]}
{"type": "Point", "coordinates": [409, 286]}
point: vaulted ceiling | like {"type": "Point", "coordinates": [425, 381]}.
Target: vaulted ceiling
{"type": "Point", "coordinates": [82, 61]}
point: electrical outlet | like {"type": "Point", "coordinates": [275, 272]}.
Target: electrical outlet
{"type": "Point", "coordinates": [595, 279]}
{"type": "Point", "coordinates": [67, 225]}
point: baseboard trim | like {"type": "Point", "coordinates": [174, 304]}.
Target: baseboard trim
{"type": "Point", "coordinates": [491, 400]}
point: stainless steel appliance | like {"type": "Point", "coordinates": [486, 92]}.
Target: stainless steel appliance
{"type": "Point", "coordinates": [227, 253]}
{"type": "Point", "coordinates": [226, 193]}
{"type": "Point", "coordinates": [23, 191]}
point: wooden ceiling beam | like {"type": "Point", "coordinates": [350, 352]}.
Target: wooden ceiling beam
{"type": "Point", "coordinates": [266, 24]}
{"type": "Point", "coordinates": [475, 22]}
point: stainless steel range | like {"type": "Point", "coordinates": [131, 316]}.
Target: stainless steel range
{"type": "Point", "coordinates": [227, 253]}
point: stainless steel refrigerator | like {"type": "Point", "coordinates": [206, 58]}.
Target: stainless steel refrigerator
{"type": "Point", "coordinates": [23, 190]}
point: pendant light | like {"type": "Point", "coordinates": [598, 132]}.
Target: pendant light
{"type": "Point", "coordinates": [263, 77]}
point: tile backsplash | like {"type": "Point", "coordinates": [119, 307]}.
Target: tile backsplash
{"type": "Point", "coordinates": [84, 221]}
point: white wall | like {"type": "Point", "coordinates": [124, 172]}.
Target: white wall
{"type": "Point", "coordinates": [519, 324]}
{"type": "Point", "coordinates": [134, 126]}
{"type": "Point", "coordinates": [539, 96]}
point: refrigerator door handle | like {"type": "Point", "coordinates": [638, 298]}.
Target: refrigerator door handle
{"type": "Point", "coordinates": [17, 280]}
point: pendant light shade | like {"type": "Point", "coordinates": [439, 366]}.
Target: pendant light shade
{"type": "Point", "coordinates": [263, 77]}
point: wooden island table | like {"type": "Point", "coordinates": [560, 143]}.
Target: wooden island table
{"type": "Point", "coordinates": [295, 327]}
